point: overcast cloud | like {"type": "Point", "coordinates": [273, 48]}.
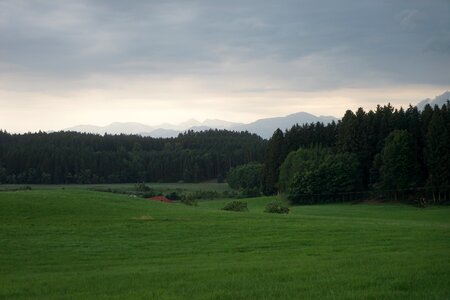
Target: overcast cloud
{"type": "Point", "coordinates": [64, 63]}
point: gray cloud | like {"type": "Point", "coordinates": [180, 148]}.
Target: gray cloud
{"type": "Point", "coordinates": [338, 42]}
{"type": "Point", "coordinates": [237, 51]}
{"type": "Point", "coordinates": [409, 18]}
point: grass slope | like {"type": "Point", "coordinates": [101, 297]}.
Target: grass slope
{"type": "Point", "coordinates": [71, 244]}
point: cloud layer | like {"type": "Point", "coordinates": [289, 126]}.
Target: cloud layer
{"type": "Point", "coordinates": [103, 61]}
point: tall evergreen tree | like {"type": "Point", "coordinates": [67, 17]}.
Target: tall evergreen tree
{"type": "Point", "coordinates": [347, 139]}
{"type": "Point", "coordinates": [275, 155]}
{"type": "Point", "coordinates": [414, 127]}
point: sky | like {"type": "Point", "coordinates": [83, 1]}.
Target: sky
{"type": "Point", "coordinates": [64, 63]}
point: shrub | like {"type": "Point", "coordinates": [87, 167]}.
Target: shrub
{"type": "Point", "coordinates": [276, 207]}
{"type": "Point", "coordinates": [189, 199]}
{"type": "Point", "coordinates": [236, 206]}
{"type": "Point", "coordinates": [141, 187]}
{"type": "Point", "coordinates": [173, 196]}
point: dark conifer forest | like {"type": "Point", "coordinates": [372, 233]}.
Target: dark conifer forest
{"type": "Point", "coordinates": [405, 152]}
{"type": "Point", "coordinates": [71, 157]}
{"type": "Point", "coordinates": [386, 149]}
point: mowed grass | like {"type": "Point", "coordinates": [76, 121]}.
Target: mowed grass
{"type": "Point", "coordinates": [77, 244]}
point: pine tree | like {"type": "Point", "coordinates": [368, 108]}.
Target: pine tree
{"type": "Point", "coordinates": [275, 155]}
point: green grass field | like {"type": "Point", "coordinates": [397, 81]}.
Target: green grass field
{"type": "Point", "coordinates": [164, 187]}
{"type": "Point", "coordinates": [78, 244]}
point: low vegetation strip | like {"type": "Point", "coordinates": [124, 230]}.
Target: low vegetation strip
{"type": "Point", "coordinates": [70, 244]}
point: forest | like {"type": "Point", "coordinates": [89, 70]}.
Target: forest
{"type": "Point", "coordinates": [399, 152]}
{"type": "Point", "coordinates": [71, 157]}
{"type": "Point", "coordinates": [404, 152]}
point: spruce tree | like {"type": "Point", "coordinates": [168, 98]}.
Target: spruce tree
{"type": "Point", "coordinates": [275, 156]}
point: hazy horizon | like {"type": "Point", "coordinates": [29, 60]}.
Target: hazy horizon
{"type": "Point", "coordinates": [65, 63]}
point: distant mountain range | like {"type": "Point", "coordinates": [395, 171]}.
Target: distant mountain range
{"type": "Point", "coordinates": [262, 127]}
{"type": "Point", "coordinates": [438, 100]}
{"type": "Point", "coordinates": [266, 127]}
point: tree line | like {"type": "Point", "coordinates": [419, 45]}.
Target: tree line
{"type": "Point", "coordinates": [385, 149]}
{"type": "Point", "coordinates": [71, 157]}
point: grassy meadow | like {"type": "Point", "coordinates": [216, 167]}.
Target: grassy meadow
{"type": "Point", "coordinates": [81, 244]}
{"type": "Point", "coordinates": [125, 187]}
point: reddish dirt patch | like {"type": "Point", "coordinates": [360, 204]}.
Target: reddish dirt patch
{"type": "Point", "coordinates": [160, 199]}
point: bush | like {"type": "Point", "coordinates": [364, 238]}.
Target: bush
{"type": "Point", "coordinates": [276, 207]}
{"type": "Point", "coordinates": [189, 199]}
{"type": "Point", "coordinates": [236, 206]}
{"type": "Point", "coordinates": [142, 187]}
{"type": "Point", "coordinates": [173, 196]}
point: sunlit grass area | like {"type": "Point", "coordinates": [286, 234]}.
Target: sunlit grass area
{"type": "Point", "coordinates": [73, 243]}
